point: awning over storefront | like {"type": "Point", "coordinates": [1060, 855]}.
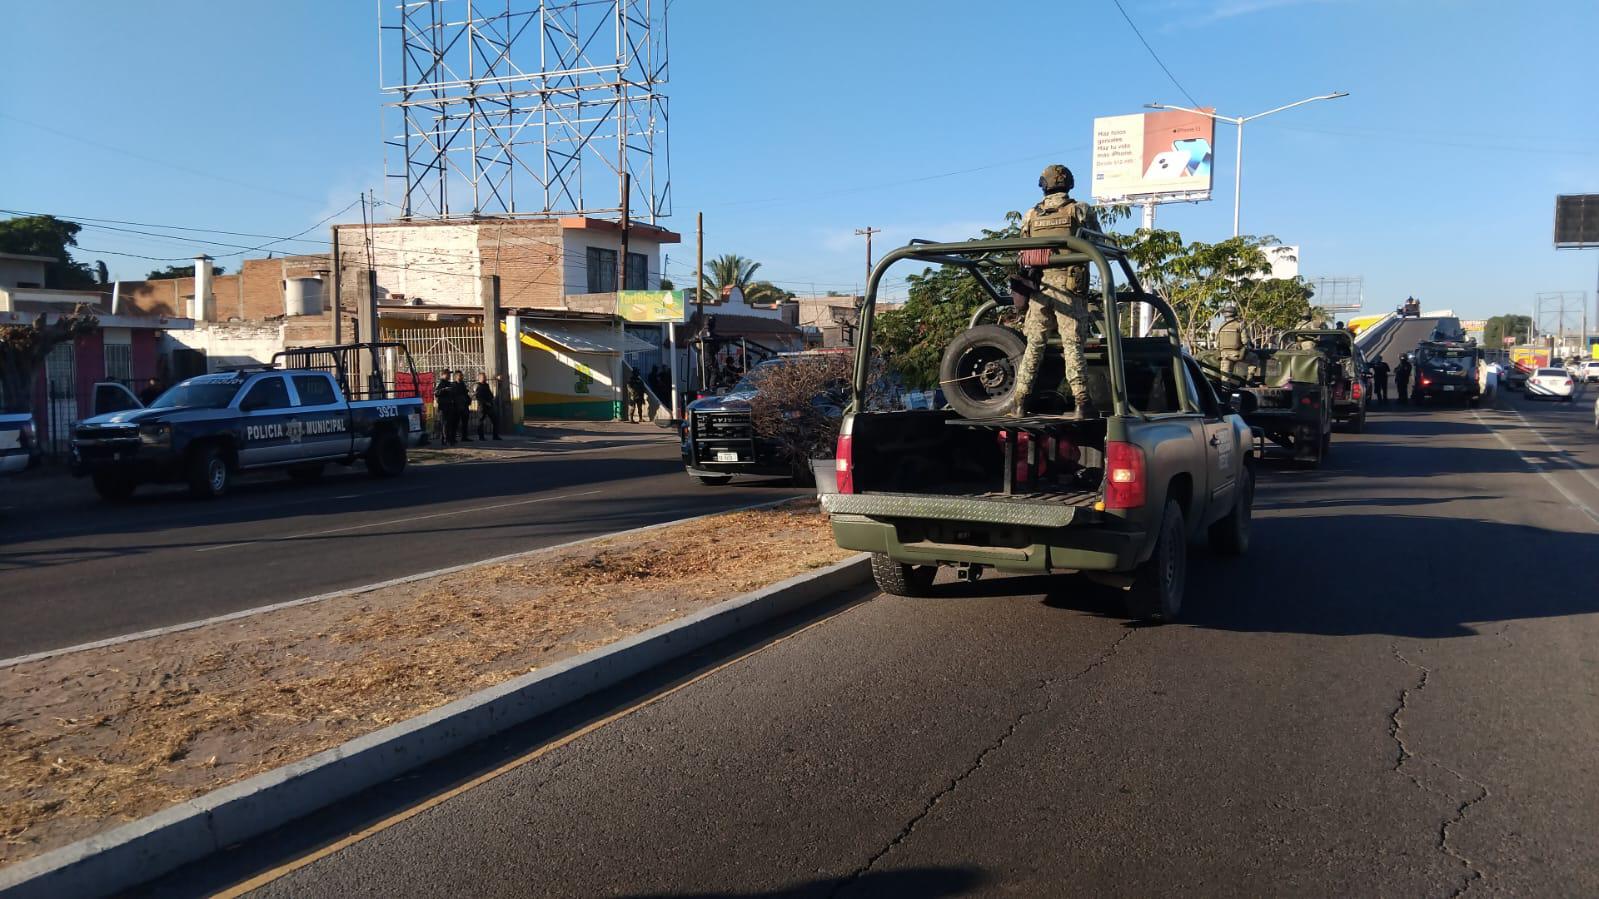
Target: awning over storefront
{"type": "Point", "coordinates": [598, 339]}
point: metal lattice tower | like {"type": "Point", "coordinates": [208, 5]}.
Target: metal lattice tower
{"type": "Point", "coordinates": [1342, 294]}
{"type": "Point", "coordinates": [525, 107]}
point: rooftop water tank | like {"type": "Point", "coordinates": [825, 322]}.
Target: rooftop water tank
{"type": "Point", "coordinates": [302, 296]}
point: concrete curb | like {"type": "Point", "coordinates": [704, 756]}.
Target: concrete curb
{"type": "Point", "coordinates": [150, 847]}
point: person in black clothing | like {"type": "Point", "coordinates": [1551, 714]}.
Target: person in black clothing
{"type": "Point", "coordinates": [462, 396]}
{"type": "Point", "coordinates": [151, 391]}
{"type": "Point", "coordinates": [444, 399]}
{"type": "Point", "coordinates": [1379, 380]}
{"type": "Point", "coordinates": [1402, 379]}
{"type": "Point", "coordinates": [487, 412]}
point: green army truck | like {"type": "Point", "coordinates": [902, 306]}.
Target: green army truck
{"type": "Point", "coordinates": [1117, 497]}
{"type": "Point", "coordinates": [1350, 376]}
{"type": "Point", "coordinates": [1290, 404]}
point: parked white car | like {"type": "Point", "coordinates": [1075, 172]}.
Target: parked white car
{"type": "Point", "coordinates": [19, 442]}
{"type": "Point", "coordinates": [1555, 383]}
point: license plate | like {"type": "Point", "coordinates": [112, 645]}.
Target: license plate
{"type": "Point", "coordinates": [415, 421]}
{"type": "Point", "coordinates": [1448, 387]}
{"type": "Point", "coordinates": [727, 457]}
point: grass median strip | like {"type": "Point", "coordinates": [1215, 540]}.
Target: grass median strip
{"type": "Point", "coordinates": [96, 738]}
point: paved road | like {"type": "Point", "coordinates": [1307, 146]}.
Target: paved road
{"type": "Point", "coordinates": [1402, 337]}
{"type": "Point", "coordinates": [1413, 717]}
{"type": "Point", "coordinates": [75, 569]}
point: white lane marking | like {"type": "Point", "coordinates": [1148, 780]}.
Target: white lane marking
{"type": "Point", "coordinates": [389, 521]}
{"type": "Point", "coordinates": [1539, 467]}
{"type": "Point", "coordinates": [1563, 453]}
{"type": "Point", "coordinates": [367, 588]}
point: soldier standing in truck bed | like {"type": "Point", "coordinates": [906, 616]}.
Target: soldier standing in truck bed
{"type": "Point", "coordinates": [1057, 300]}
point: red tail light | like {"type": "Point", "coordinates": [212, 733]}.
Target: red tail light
{"type": "Point", "coordinates": [1124, 476]}
{"type": "Point", "coordinates": [845, 464]}
{"type": "Point", "coordinates": [1356, 390]}
{"type": "Point", "coordinates": [1426, 381]}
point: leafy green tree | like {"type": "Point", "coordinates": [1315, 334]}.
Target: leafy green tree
{"type": "Point", "coordinates": [730, 270]}
{"type": "Point", "coordinates": [46, 235]}
{"type": "Point", "coordinates": [180, 271]}
{"type": "Point", "coordinates": [1496, 329]}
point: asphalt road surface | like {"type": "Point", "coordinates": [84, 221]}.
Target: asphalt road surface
{"type": "Point", "coordinates": [74, 569]}
{"type": "Point", "coordinates": [1393, 694]}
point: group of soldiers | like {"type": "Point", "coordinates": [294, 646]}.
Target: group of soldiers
{"type": "Point", "coordinates": [455, 399]}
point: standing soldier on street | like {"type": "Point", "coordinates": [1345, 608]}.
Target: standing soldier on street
{"type": "Point", "coordinates": [1402, 378]}
{"type": "Point", "coordinates": [635, 397]}
{"type": "Point", "coordinates": [487, 412]}
{"type": "Point", "coordinates": [1057, 300]}
{"type": "Point", "coordinates": [1379, 380]}
{"type": "Point", "coordinates": [444, 405]}
{"type": "Point", "coordinates": [462, 398]}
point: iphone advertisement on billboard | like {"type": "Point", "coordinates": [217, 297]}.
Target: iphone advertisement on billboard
{"type": "Point", "coordinates": [1150, 154]}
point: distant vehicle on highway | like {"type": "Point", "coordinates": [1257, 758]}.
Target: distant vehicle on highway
{"type": "Point", "coordinates": [1589, 371]}
{"type": "Point", "coordinates": [1410, 308]}
{"type": "Point", "coordinates": [19, 442]}
{"type": "Point", "coordinates": [209, 428]}
{"type": "Point", "coordinates": [1446, 370]}
{"type": "Point", "coordinates": [1555, 383]}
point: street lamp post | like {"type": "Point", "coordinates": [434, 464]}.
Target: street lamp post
{"type": "Point", "coordinates": [1238, 121]}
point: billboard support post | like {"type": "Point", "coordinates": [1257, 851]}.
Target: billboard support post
{"type": "Point", "coordinates": [1146, 312]}
{"type": "Point", "coordinates": [1238, 169]}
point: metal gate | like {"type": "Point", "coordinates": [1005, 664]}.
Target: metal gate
{"type": "Point", "coordinates": [440, 346]}
{"type": "Point", "coordinates": [61, 399]}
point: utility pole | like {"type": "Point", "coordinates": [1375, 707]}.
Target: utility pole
{"type": "Point", "coordinates": [868, 231]}
{"type": "Point", "coordinates": [621, 284]}
{"type": "Point", "coordinates": [699, 298]}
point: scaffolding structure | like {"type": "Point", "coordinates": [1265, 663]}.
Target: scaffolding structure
{"type": "Point", "coordinates": [1338, 294]}
{"type": "Point", "coordinates": [1560, 318]}
{"type": "Point", "coordinates": [526, 108]}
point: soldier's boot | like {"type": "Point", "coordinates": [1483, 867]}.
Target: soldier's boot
{"type": "Point", "coordinates": [1071, 350]}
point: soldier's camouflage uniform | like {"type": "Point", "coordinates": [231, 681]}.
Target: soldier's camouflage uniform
{"type": "Point", "coordinates": [1061, 305]}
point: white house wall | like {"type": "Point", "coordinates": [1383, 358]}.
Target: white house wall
{"type": "Point", "coordinates": [575, 244]}
{"type": "Point", "coordinates": [437, 265]}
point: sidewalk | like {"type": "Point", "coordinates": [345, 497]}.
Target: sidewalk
{"type": "Point", "coordinates": [543, 438]}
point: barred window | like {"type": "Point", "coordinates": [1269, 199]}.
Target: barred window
{"type": "Point", "coordinates": [119, 362]}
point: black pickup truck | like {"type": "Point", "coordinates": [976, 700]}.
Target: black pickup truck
{"type": "Point", "coordinates": [206, 429]}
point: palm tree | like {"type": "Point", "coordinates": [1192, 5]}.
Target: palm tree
{"type": "Point", "coordinates": [731, 270]}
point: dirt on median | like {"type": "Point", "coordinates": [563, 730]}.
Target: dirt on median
{"type": "Point", "coordinates": [94, 739]}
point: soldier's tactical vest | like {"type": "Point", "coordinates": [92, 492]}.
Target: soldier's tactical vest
{"type": "Point", "coordinates": [1049, 220]}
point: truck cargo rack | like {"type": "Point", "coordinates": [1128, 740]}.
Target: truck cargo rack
{"type": "Point", "coordinates": [1042, 425]}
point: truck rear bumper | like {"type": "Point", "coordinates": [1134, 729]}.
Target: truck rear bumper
{"type": "Point", "coordinates": [1040, 550]}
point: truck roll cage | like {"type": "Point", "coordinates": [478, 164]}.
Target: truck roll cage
{"type": "Point", "coordinates": [340, 359]}
{"type": "Point", "coordinates": [1085, 246]}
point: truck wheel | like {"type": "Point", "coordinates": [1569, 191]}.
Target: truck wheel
{"type": "Point", "coordinates": [714, 480]}
{"type": "Point", "coordinates": [900, 579]}
{"type": "Point", "coordinates": [113, 487]}
{"type": "Point", "coordinates": [1230, 536]}
{"type": "Point", "coordinates": [978, 371]}
{"type": "Point", "coordinates": [385, 458]}
{"type": "Point", "coordinates": [309, 473]}
{"type": "Point", "coordinates": [1157, 590]}
{"type": "Point", "coordinates": [209, 475]}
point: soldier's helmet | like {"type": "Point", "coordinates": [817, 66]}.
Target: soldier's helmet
{"type": "Point", "coordinates": [1056, 179]}
{"type": "Point", "coordinates": [1229, 311]}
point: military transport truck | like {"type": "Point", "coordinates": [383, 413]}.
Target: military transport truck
{"type": "Point", "coordinates": [1351, 378]}
{"type": "Point", "coordinates": [1117, 497]}
{"type": "Point", "coordinates": [1288, 403]}
{"type": "Point", "coordinates": [1446, 369]}
{"type": "Point", "coordinates": [298, 418]}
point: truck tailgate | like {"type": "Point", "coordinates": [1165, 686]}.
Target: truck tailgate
{"type": "Point", "coordinates": [1052, 510]}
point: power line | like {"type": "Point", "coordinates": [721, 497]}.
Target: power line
{"type": "Point", "coordinates": [1153, 55]}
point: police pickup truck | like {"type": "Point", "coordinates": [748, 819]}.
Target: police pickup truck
{"type": "Point", "coordinates": [1115, 496]}
{"type": "Point", "coordinates": [205, 430]}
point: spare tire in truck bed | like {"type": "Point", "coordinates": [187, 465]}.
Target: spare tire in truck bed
{"type": "Point", "coordinates": [978, 371]}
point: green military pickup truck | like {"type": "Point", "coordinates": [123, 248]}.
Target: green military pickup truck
{"type": "Point", "coordinates": [1117, 497]}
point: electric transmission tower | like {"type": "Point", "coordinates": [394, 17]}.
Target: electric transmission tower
{"type": "Point", "coordinates": [525, 107]}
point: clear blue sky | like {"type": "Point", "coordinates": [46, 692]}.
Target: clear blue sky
{"type": "Point", "coordinates": [795, 123]}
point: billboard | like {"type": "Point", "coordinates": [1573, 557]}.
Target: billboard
{"type": "Point", "coordinates": [1153, 155]}
{"type": "Point", "coordinates": [651, 306]}
{"type": "Point", "coordinates": [1576, 221]}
